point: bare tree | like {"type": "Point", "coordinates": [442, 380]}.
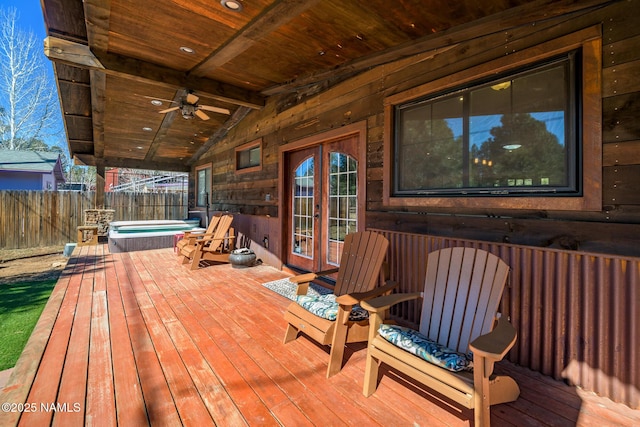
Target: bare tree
{"type": "Point", "coordinates": [29, 109]}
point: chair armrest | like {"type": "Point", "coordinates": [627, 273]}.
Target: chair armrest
{"type": "Point", "coordinates": [497, 343]}
{"type": "Point", "coordinates": [327, 272]}
{"type": "Point", "coordinates": [193, 238]}
{"type": "Point", "coordinates": [204, 238]}
{"type": "Point", "coordinates": [303, 278]}
{"type": "Point", "coordinates": [381, 304]}
{"type": "Point", "coordinates": [307, 277]}
{"type": "Point", "coordinates": [357, 297]}
{"type": "Point", "coordinates": [188, 233]}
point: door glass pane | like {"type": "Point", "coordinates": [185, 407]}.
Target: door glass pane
{"type": "Point", "coordinates": [342, 201]}
{"type": "Point", "coordinates": [203, 186]}
{"type": "Point", "coordinates": [303, 233]}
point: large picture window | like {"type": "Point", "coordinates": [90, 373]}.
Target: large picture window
{"type": "Point", "coordinates": [518, 132]}
{"type": "Point", "coordinates": [508, 136]}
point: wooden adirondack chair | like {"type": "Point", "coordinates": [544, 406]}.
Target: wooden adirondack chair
{"type": "Point", "coordinates": [211, 247]}
{"type": "Point", "coordinates": [329, 319]}
{"type": "Point", "coordinates": [190, 237]}
{"type": "Point", "coordinates": [463, 287]}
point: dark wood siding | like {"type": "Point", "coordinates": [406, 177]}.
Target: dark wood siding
{"type": "Point", "coordinates": [613, 229]}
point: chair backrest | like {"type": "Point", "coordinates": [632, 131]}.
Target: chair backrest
{"type": "Point", "coordinates": [224, 224]}
{"type": "Point", "coordinates": [462, 291]}
{"type": "Point", "coordinates": [362, 256]}
{"type": "Point", "coordinates": [213, 223]}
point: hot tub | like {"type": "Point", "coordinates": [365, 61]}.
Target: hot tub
{"type": "Point", "coordinates": [128, 236]}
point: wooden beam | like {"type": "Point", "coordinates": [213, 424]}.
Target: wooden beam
{"type": "Point", "coordinates": [79, 55]}
{"type": "Point", "coordinates": [100, 175]}
{"type": "Point", "coordinates": [220, 133]}
{"type": "Point", "coordinates": [72, 82]}
{"type": "Point", "coordinates": [98, 101]}
{"type": "Point", "coordinates": [535, 11]}
{"type": "Point", "coordinates": [121, 162]}
{"type": "Point", "coordinates": [167, 121]}
{"type": "Point", "coordinates": [98, 27]}
{"type": "Point", "coordinates": [280, 13]}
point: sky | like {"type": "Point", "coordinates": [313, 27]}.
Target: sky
{"type": "Point", "coordinates": [30, 12]}
{"type": "Point", "coordinates": [30, 20]}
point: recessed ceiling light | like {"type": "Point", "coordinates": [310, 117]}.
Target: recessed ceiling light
{"type": "Point", "coordinates": [234, 5]}
{"type": "Point", "coordinates": [147, 129]}
{"type": "Point", "coordinates": [186, 49]}
{"type": "Point", "coordinates": [156, 102]}
{"type": "Point", "coordinates": [139, 147]}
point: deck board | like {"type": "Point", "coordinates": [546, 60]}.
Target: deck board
{"type": "Point", "coordinates": [159, 405]}
{"type": "Point", "coordinates": [138, 339]}
{"type": "Point", "coordinates": [128, 398]}
{"type": "Point", "coordinates": [73, 383]}
{"type": "Point", "coordinates": [44, 389]}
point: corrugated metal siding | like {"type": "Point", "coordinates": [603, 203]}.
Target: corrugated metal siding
{"type": "Point", "coordinates": [577, 313]}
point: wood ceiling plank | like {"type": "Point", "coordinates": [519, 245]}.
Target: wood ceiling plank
{"type": "Point", "coordinates": [65, 18]}
{"type": "Point", "coordinates": [220, 133]}
{"type": "Point", "coordinates": [75, 98]}
{"type": "Point", "coordinates": [167, 122]}
{"type": "Point", "coordinates": [98, 13]}
{"type": "Point", "coordinates": [79, 127]}
{"type": "Point", "coordinates": [515, 16]}
{"type": "Point", "coordinates": [78, 55]}
{"type": "Point", "coordinates": [280, 13]}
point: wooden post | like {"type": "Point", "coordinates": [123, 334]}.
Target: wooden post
{"type": "Point", "coordinates": [100, 181]}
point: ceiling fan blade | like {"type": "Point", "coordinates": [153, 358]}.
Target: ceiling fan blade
{"type": "Point", "coordinates": [192, 99]}
{"type": "Point", "coordinates": [202, 115]}
{"type": "Point", "coordinates": [169, 110]}
{"type": "Point", "coordinates": [215, 109]}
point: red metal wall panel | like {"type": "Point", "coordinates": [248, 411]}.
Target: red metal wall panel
{"type": "Point", "coordinates": [577, 313]}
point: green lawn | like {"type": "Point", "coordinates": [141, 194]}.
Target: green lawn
{"type": "Point", "coordinates": [20, 307]}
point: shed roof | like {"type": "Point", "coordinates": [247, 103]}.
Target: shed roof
{"type": "Point", "coordinates": [30, 161]}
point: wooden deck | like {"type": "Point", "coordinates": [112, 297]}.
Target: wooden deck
{"type": "Point", "coordinates": [137, 339]}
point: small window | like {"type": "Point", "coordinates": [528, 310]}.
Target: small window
{"type": "Point", "coordinates": [203, 186]}
{"type": "Point", "coordinates": [249, 157]}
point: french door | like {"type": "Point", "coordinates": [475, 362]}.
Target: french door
{"type": "Point", "coordinates": [323, 197]}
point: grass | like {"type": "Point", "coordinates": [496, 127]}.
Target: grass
{"type": "Point", "coordinates": [20, 307]}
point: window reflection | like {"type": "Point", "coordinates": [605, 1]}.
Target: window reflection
{"type": "Point", "coordinates": [515, 134]}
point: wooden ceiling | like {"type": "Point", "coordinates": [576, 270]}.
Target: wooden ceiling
{"type": "Point", "coordinates": [112, 58]}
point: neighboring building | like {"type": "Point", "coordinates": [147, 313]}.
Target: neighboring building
{"type": "Point", "coordinates": [111, 179]}
{"type": "Point", "coordinates": [30, 170]}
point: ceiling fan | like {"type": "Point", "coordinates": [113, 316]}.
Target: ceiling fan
{"type": "Point", "coordinates": [189, 108]}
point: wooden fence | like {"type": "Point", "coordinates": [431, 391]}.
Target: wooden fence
{"type": "Point", "coordinates": [31, 219]}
